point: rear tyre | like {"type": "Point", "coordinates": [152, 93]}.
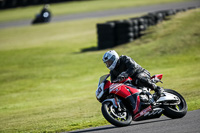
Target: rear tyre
{"type": "Point", "coordinates": [114, 116]}
{"type": "Point", "coordinates": [175, 111]}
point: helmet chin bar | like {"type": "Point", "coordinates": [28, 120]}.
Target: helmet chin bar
{"type": "Point", "coordinates": [109, 63]}
{"type": "Point", "coordinates": [113, 65]}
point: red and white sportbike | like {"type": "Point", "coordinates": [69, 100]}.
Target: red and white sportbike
{"type": "Point", "coordinates": [118, 112]}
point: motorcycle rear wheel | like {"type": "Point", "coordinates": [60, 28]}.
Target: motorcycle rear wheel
{"type": "Point", "coordinates": [115, 117]}
{"type": "Point", "coordinates": [175, 111]}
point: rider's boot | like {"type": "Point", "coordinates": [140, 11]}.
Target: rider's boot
{"type": "Point", "coordinates": [148, 83]}
{"type": "Point", "coordinates": [158, 90]}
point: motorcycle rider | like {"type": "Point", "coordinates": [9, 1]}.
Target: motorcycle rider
{"type": "Point", "coordinates": [123, 67]}
{"type": "Point", "coordinates": [45, 13]}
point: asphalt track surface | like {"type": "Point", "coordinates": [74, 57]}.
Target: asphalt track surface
{"type": "Point", "coordinates": [107, 13]}
{"type": "Point", "coordinates": [188, 124]}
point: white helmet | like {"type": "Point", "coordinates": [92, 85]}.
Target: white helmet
{"type": "Point", "coordinates": [110, 58]}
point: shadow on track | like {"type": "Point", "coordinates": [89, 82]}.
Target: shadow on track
{"type": "Point", "coordinates": [113, 127]}
{"type": "Point", "coordinates": [152, 121]}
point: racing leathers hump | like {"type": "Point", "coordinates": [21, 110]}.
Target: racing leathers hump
{"type": "Point", "coordinates": [127, 65]}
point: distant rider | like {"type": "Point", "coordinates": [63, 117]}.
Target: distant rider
{"type": "Point", "coordinates": [45, 13]}
{"type": "Point", "coordinates": [123, 67]}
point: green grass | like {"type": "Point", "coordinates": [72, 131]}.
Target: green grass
{"type": "Point", "coordinates": [75, 7]}
{"type": "Point", "coordinates": [47, 84]}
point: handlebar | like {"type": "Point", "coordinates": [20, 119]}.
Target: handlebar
{"type": "Point", "coordinates": [116, 81]}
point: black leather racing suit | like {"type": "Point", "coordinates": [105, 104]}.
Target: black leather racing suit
{"type": "Point", "coordinates": [130, 68]}
{"type": "Point", "coordinates": [140, 76]}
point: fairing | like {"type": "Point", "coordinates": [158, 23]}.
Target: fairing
{"type": "Point", "coordinates": [122, 90]}
{"type": "Point", "coordinates": [102, 86]}
{"type": "Point", "coordinates": [167, 97]}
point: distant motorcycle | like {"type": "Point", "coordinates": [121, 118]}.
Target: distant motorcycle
{"type": "Point", "coordinates": [43, 17]}
{"type": "Point", "coordinates": [118, 112]}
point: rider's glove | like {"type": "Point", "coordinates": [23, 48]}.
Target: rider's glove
{"type": "Point", "coordinates": [122, 76]}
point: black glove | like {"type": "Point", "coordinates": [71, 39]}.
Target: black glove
{"type": "Point", "coordinates": [122, 76]}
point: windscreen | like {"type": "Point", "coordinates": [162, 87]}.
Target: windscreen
{"type": "Point", "coordinates": [103, 78]}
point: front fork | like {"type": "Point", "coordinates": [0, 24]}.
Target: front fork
{"type": "Point", "coordinates": [113, 101]}
{"type": "Point", "coordinates": [117, 103]}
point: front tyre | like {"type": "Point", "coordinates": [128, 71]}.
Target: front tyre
{"type": "Point", "coordinates": [175, 111]}
{"type": "Point", "coordinates": [116, 116]}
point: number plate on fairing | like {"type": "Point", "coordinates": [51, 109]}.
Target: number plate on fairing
{"type": "Point", "coordinates": [100, 91]}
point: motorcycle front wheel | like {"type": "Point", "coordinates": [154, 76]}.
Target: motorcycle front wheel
{"type": "Point", "coordinates": [116, 116]}
{"type": "Point", "coordinates": [176, 111]}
